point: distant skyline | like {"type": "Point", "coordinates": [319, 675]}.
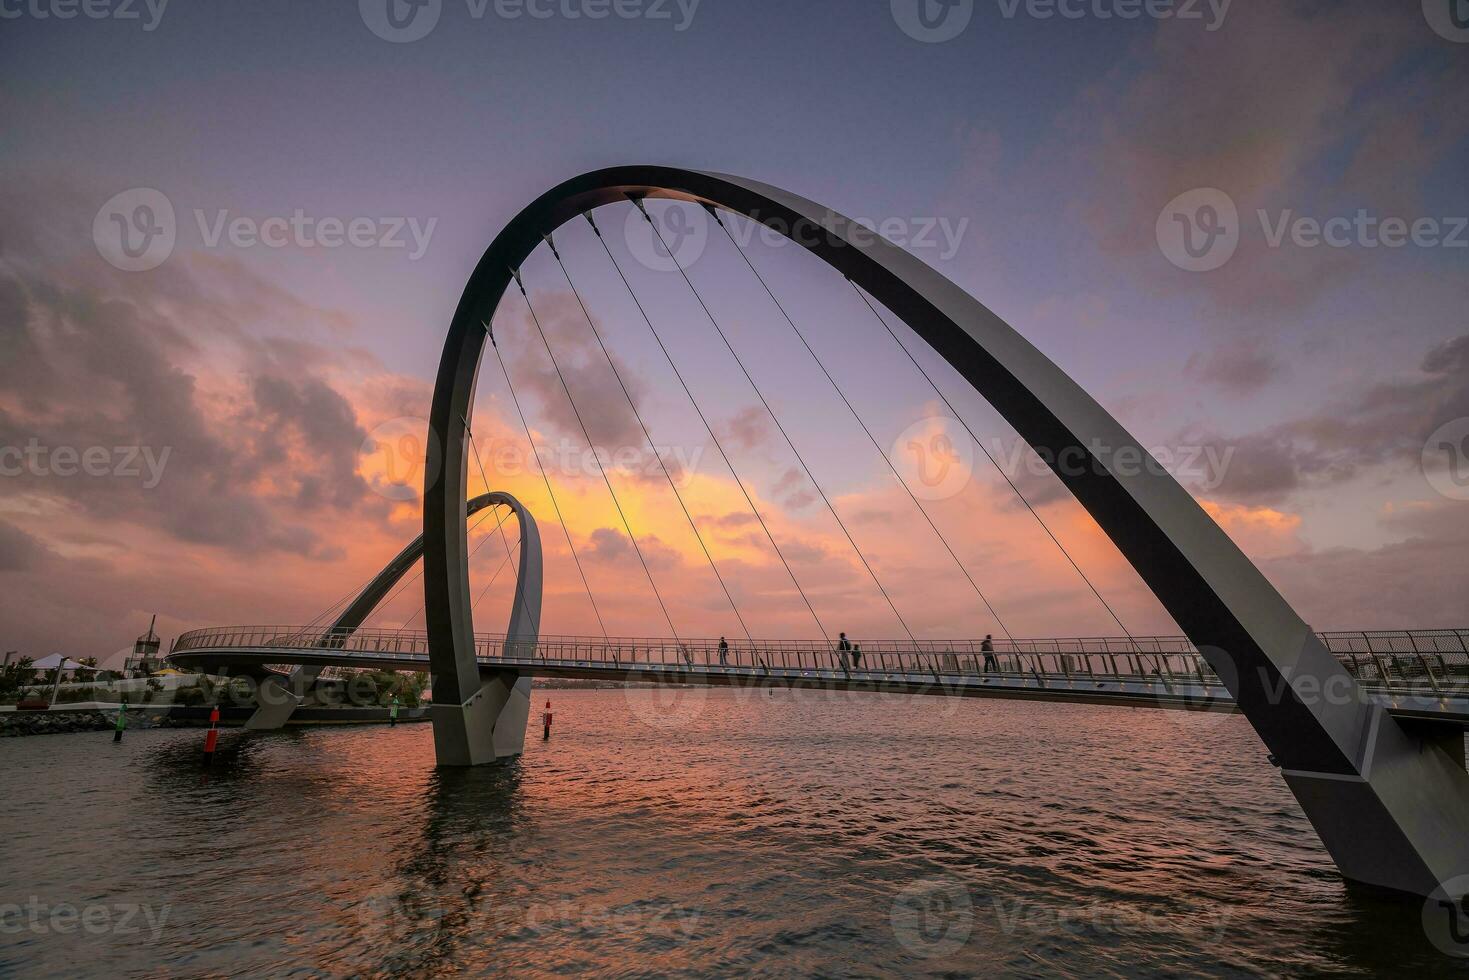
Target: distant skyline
{"type": "Point", "coordinates": [315, 196]}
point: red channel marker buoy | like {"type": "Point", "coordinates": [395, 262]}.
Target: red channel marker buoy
{"type": "Point", "coordinates": [212, 738]}
{"type": "Point", "coordinates": [546, 720]}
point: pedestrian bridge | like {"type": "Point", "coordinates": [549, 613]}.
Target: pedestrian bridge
{"type": "Point", "coordinates": [1367, 728]}
{"type": "Point", "coordinates": [1414, 674]}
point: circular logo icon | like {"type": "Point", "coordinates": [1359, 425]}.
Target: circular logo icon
{"type": "Point", "coordinates": [400, 21]}
{"type": "Point", "coordinates": [398, 457]}
{"type": "Point", "coordinates": [1199, 230]}
{"type": "Point", "coordinates": [665, 707]}
{"type": "Point", "coordinates": [933, 21]}
{"type": "Point", "coordinates": [135, 231]}
{"type": "Point", "coordinates": [933, 917]}
{"type": "Point", "coordinates": [1446, 917]}
{"type": "Point", "coordinates": [1194, 700]}
{"type": "Point", "coordinates": [677, 242]}
{"type": "Point", "coordinates": [1448, 18]}
{"type": "Point", "coordinates": [934, 456]}
{"type": "Point", "coordinates": [1446, 459]}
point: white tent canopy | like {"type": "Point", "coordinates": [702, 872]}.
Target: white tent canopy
{"type": "Point", "coordinates": [57, 660]}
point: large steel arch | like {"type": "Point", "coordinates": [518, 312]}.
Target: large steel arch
{"type": "Point", "coordinates": [1389, 805]}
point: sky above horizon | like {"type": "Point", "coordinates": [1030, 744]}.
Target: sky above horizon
{"type": "Point", "coordinates": [1242, 232]}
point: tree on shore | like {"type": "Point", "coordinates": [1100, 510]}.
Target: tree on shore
{"type": "Point", "coordinates": [16, 675]}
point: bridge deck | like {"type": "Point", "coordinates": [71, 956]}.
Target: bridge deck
{"type": "Point", "coordinates": [1419, 674]}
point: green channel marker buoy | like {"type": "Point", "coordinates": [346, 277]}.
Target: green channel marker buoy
{"type": "Point", "coordinates": [122, 721]}
{"type": "Point", "coordinates": [393, 712]}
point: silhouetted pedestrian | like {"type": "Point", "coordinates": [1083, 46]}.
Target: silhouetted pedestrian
{"type": "Point", "coordinates": [987, 647]}
{"type": "Point", "coordinates": [844, 647]}
{"type": "Point", "coordinates": [856, 656]}
{"type": "Point", "coordinates": [723, 652]}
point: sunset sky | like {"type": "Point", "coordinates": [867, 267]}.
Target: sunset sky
{"type": "Point", "coordinates": [272, 383]}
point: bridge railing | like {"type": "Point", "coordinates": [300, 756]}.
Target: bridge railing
{"type": "Point", "coordinates": [1411, 661]}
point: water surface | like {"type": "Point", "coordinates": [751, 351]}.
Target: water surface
{"type": "Point", "coordinates": [702, 832]}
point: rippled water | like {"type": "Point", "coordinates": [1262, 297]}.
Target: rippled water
{"type": "Point", "coordinates": [720, 833]}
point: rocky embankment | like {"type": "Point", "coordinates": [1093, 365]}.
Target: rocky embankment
{"type": "Point", "coordinates": [60, 722]}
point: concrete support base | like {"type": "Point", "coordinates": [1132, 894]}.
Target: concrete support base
{"type": "Point", "coordinates": [487, 729]}
{"type": "Point", "coordinates": [277, 704]}
{"type": "Point", "coordinates": [1399, 824]}
{"type": "Point", "coordinates": [278, 698]}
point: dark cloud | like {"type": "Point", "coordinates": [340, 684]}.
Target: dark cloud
{"type": "Point", "coordinates": [794, 490]}
{"type": "Point", "coordinates": [1383, 424]}
{"type": "Point", "coordinates": [595, 392]}
{"type": "Point", "coordinates": [1385, 588]}
{"type": "Point", "coordinates": [1286, 94]}
{"type": "Point", "coordinates": [19, 551]}
{"type": "Point", "coordinates": [609, 545]}
{"type": "Point", "coordinates": [1242, 367]}
{"type": "Point", "coordinates": [749, 429]}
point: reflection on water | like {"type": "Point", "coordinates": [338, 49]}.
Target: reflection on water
{"type": "Point", "coordinates": [708, 832]}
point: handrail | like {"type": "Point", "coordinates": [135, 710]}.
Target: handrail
{"type": "Point", "coordinates": [1395, 658]}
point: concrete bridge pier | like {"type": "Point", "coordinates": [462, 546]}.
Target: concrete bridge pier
{"type": "Point", "coordinates": [487, 729]}
{"type": "Point", "coordinates": [479, 719]}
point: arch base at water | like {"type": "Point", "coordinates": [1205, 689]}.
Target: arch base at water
{"type": "Point", "coordinates": [489, 729]}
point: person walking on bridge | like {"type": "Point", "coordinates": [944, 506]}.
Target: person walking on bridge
{"type": "Point", "coordinates": [987, 647]}
{"type": "Point", "coordinates": [723, 652]}
{"type": "Point", "coordinates": [844, 647]}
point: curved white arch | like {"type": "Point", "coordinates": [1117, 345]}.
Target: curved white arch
{"type": "Point", "coordinates": [278, 697]}
{"type": "Point", "coordinates": [1356, 772]}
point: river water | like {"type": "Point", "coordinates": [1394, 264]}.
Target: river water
{"type": "Point", "coordinates": [689, 832]}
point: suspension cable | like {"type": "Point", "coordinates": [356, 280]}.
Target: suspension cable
{"type": "Point", "coordinates": [503, 562]}
{"type": "Point", "coordinates": [871, 438]}
{"type": "Point", "coordinates": [998, 468]}
{"type": "Point", "coordinates": [547, 480]}
{"type": "Point", "coordinates": [850, 540]}
{"type": "Point", "coordinates": [600, 468]}
{"type": "Point", "coordinates": [651, 447]}
{"type": "Point", "coordinates": [489, 511]}
{"type": "Point", "coordinates": [710, 429]}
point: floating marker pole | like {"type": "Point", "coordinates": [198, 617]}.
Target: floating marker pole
{"type": "Point", "coordinates": [393, 712]}
{"type": "Point", "coordinates": [212, 738]}
{"type": "Point", "coordinates": [122, 721]}
{"type": "Point", "coordinates": [546, 719]}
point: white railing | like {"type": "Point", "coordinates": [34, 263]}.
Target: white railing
{"type": "Point", "coordinates": [1412, 660]}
